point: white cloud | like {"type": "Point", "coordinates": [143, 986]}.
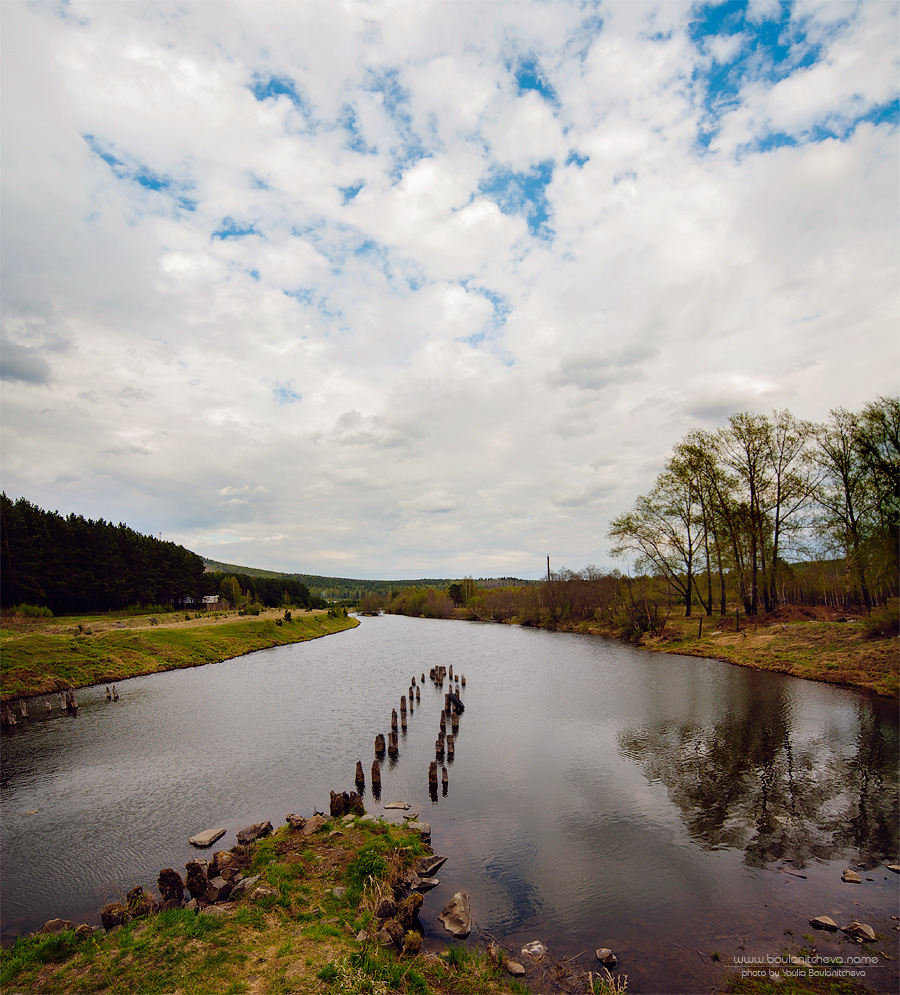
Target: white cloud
{"type": "Point", "coordinates": [258, 328]}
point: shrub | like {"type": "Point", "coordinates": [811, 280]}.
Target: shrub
{"type": "Point", "coordinates": [882, 623]}
{"type": "Point", "coordinates": [33, 611]}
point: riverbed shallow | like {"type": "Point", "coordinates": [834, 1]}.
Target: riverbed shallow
{"type": "Point", "coordinates": [663, 806]}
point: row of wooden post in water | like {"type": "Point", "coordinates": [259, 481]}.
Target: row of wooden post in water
{"type": "Point", "coordinates": [445, 744]}
{"type": "Point", "coordinates": [68, 702]}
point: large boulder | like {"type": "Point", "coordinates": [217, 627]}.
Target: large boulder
{"type": "Point", "coordinates": [426, 866]}
{"type": "Point", "coordinates": [244, 886]}
{"type": "Point", "coordinates": [456, 917]}
{"type": "Point", "coordinates": [824, 922]}
{"type": "Point", "coordinates": [861, 931]}
{"type": "Point", "coordinates": [171, 887]}
{"type": "Point", "coordinates": [254, 832]}
{"type": "Point", "coordinates": [314, 824]}
{"type": "Point", "coordinates": [296, 821]}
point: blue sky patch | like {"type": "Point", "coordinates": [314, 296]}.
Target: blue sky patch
{"type": "Point", "coordinates": [529, 76]}
{"type": "Point", "coordinates": [522, 193]}
{"type": "Point", "coordinates": [284, 393]}
{"type": "Point", "coordinates": [574, 159]}
{"type": "Point", "coordinates": [232, 229]}
{"type": "Point", "coordinates": [351, 191]}
{"type": "Point", "coordinates": [409, 148]}
{"type": "Point", "coordinates": [141, 174]}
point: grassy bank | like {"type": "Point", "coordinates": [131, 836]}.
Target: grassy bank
{"type": "Point", "coordinates": [41, 656]}
{"type": "Point", "coordinates": [820, 644]}
{"type": "Point", "coordinates": [306, 932]}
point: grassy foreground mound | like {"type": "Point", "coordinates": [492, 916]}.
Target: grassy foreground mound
{"type": "Point", "coordinates": [41, 656]}
{"type": "Point", "coordinates": [303, 935]}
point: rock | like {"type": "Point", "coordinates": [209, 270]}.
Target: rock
{"type": "Point", "coordinates": [314, 824]}
{"type": "Point", "coordinates": [84, 930]}
{"type": "Point", "coordinates": [385, 909]}
{"type": "Point", "coordinates": [56, 926]}
{"type": "Point", "coordinates": [606, 957]}
{"type": "Point", "coordinates": [423, 884]}
{"type": "Point", "coordinates": [824, 922]}
{"type": "Point", "coordinates": [215, 910]}
{"type": "Point", "coordinates": [851, 877]}
{"type": "Point", "coordinates": [396, 932]}
{"type": "Point", "coordinates": [535, 949]}
{"type": "Point", "coordinates": [112, 915]}
{"type": "Point", "coordinates": [516, 969]}
{"type": "Point", "coordinates": [412, 943]}
{"type": "Point", "coordinates": [893, 867]}
{"type": "Point", "coordinates": [422, 828]}
{"type": "Point", "coordinates": [262, 891]}
{"type": "Point", "coordinates": [171, 887]}
{"type": "Point", "coordinates": [207, 838]}
{"type": "Point", "coordinates": [192, 906]}
{"type": "Point", "coordinates": [218, 890]}
{"type": "Point", "coordinates": [398, 805]}
{"type": "Point", "coordinates": [362, 936]}
{"type": "Point", "coordinates": [860, 930]}
{"type": "Point", "coordinates": [254, 832]}
{"type": "Point", "coordinates": [426, 866]}
{"type": "Point", "coordinates": [244, 886]}
{"type": "Point", "coordinates": [339, 891]}
{"type": "Point", "coordinates": [139, 903]}
{"type": "Point", "coordinates": [456, 917]}
{"type": "Point", "coordinates": [384, 938]}
{"type": "Point", "coordinates": [348, 818]}
{"type": "Point", "coordinates": [334, 832]}
{"type": "Point", "coordinates": [197, 881]}
{"type": "Point", "coordinates": [295, 821]}
{"type": "Point", "coordinates": [408, 911]}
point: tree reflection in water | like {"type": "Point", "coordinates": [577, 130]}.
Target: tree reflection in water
{"type": "Point", "coordinates": [753, 782]}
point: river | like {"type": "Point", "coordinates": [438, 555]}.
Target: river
{"type": "Point", "coordinates": [660, 805]}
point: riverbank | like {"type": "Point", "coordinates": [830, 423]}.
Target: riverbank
{"type": "Point", "coordinates": [307, 925]}
{"type": "Point", "coordinates": [818, 644]}
{"type": "Point", "coordinates": [44, 656]}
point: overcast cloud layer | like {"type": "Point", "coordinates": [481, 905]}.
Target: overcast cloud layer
{"type": "Point", "coordinates": [429, 289]}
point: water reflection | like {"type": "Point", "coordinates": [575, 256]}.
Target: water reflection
{"type": "Point", "coordinates": [755, 782]}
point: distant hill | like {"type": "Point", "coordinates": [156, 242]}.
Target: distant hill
{"type": "Point", "coordinates": [341, 588]}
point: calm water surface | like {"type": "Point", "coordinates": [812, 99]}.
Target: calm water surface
{"type": "Point", "coordinates": [600, 795]}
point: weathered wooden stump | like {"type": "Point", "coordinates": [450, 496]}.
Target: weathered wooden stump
{"type": "Point", "coordinates": [48, 706]}
{"type": "Point", "coordinates": [394, 719]}
{"type": "Point", "coordinates": [454, 723]}
{"type": "Point", "coordinates": [432, 773]}
{"type": "Point", "coordinates": [171, 887]}
{"type": "Point", "coordinates": [338, 804]}
{"type": "Point", "coordinates": [418, 696]}
{"type": "Point", "coordinates": [23, 707]}
{"type": "Point", "coordinates": [463, 680]}
{"type": "Point", "coordinates": [413, 680]}
{"type": "Point", "coordinates": [451, 671]}
{"type": "Point", "coordinates": [115, 693]}
{"type": "Point", "coordinates": [379, 744]}
{"type": "Point", "coordinates": [403, 721]}
{"type": "Point", "coordinates": [402, 703]}
{"type": "Point", "coordinates": [360, 776]}
{"type": "Point", "coordinates": [423, 678]}
{"type": "Point", "coordinates": [439, 748]}
{"type": "Point", "coordinates": [451, 746]}
{"type": "Point", "coordinates": [376, 778]}
{"type": "Point", "coordinates": [393, 748]}
{"type": "Point", "coordinates": [108, 694]}
{"type": "Point", "coordinates": [443, 721]}
{"type": "Point", "coordinates": [456, 702]}
{"type": "Point", "coordinates": [445, 777]}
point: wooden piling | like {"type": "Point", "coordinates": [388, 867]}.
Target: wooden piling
{"type": "Point", "coordinates": [376, 778]}
{"type": "Point", "coordinates": [451, 671]}
{"type": "Point", "coordinates": [402, 702]}
{"type": "Point", "coordinates": [445, 777]}
{"type": "Point", "coordinates": [23, 708]}
{"type": "Point", "coordinates": [463, 680]}
{"type": "Point", "coordinates": [418, 696]}
{"type": "Point", "coordinates": [379, 744]}
{"type": "Point", "coordinates": [443, 721]}
{"type": "Point", "coordinates": [451, 746]}
{"type": "Point", "coordinates": [360, 776]}
{"type": "Point", "coordinates": [48, 706]}
{"type": "Point", "coordinates": [432, 774]}
{"type": "Point", "coordinates": [393, 748]}
{"type": "Point", "coordinates": [454, 723]}
{"type": "Point", "coordinates": [394, 719]}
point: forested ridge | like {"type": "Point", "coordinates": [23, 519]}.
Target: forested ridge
{"type": "Point", "coordinates": [74, 564]}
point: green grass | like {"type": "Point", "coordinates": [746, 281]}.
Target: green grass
{"type": "Point", "coordinates": [59, 656]}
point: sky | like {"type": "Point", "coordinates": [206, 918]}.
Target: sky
{"type": "Point", "coordinates": [415, 289]}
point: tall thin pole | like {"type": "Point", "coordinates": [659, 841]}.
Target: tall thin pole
{"type": "Point", "coordinates": [548, 569]}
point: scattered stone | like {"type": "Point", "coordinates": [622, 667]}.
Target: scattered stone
{"type": "Point", "coordinates": [348, 818]}
{"type": "Point", "coordinates": [860, 930]}
{"type": "Point", "coordinates": [314, 824]}
{"type": "Point", "coordinates": [384, 937]}
{"type": "Point", "coordinates": [398, 805]}
{"type": "Point", "coordinates": [426, 866]}
{"type": "Point", "coordinates": [254, 832]}
{"type": "Point", "coordinates": [408, 911]}
{"type": "Point", "coordinates": [218, 890]}
{"type": "Point", "coordinates": [215, 910]}
{"type": "Point", "coordinates": [893, 867]}
{"type": "Point", "coordinates": [334, 832]}
{"type": "Point", "coordinates": [207, 838]}
{"type": "Point", "coordinates": [423, 884]}
{"type": "Point", "coordinates": [244, 886]}
{"type": "Point", "coordinates": [535, 949]}
{"type": "Point", "coordinates": [263, 891]}
{"type": "Point", "coordinates": [851, 877]}
{"type": "Point", "coordinates": [84, 930]}
{"type": "Point", "coordinates": [422, 828]}
{"type": "Point", "coordinates": [139, 903]}
{"type": "Point", "coordinates": [362, 936]}
{"type": "Point", "coordinates": [386, 909]}
{"type": "Point", "coordinates": [369, 819]}
{"type": "Point", "coordinates": [112, 915]}
{"type": "Point", "coordinates": [295, 821]}
{"type": "Point", "coordinates": [456, 917]}
{"type": "Point", "coordinates": [606, 957]}
{"type": "Point", "coordinates": [56, 926]}
{"type": "Point", "coordinates": [824, 922]}
{"type": "Point", "coordinates": [192, 906]}
{"type": "Point", "coordinates": [411, 816]}
{"type": "Point", "coordinates": [339, 891]}
{"type": "Point", "coordinates": [514, 968]}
